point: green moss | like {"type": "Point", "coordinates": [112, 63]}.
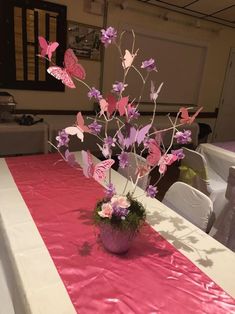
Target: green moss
{"type": "Point", "coordinates": [133, 220]}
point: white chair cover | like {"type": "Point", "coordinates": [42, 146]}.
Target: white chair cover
{"type": "Point", "coordinates": [130, 171]}
{"type": "Point", "coordinates": [195, 171]}
{"type": "Point", "coordinates": [224, 228]}
{"type": "Point", "coordinates": [190, 203]}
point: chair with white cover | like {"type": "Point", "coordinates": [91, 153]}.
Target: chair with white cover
{"type": "Point", "coordinates": [191, 204]}
{"type": "Point", "coordinates": [195, 171]}
{"type": "Point", "coordinates": [130, 171]}
{"type": "Point", "coordinates": [224, 228]}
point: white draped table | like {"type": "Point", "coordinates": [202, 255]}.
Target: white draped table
{"type": "Point", "coordinates": [33, 280]}
{"type": "Point", "coordinates": [219, 157]}
{"type": "Point", "coordinates": [18, 139]}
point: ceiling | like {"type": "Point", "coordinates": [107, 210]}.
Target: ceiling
{"type": "Point", "coordinates": [217, 11]}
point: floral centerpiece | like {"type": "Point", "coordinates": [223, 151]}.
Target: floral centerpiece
{"type": "Point", "coordinates": [119, 215]}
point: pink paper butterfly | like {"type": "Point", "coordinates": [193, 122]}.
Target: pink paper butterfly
{"type": "Point", "coordinates": [128, 59]}
{"type": "Point", "coordinates": [98, 171]}
{"type": "Point", "coordinates": [166, 160]}
{"type": "Point", "coordinates": [185, 118]}
{"type": "Point", "coordinates": [72, 69]}
{"type": "Point", "coordinates": [154, 153]}
{"type": "Point", "coordinates": [47, 48]}
{"type": "Point", "coordinates": [79, 128]}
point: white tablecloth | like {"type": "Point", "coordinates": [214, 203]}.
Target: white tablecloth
{"type": "Point", "coordinates": [23, 139]}
{"type": "Point", "coordinates": [34, 282]}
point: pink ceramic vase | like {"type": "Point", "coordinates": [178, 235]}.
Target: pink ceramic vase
{"type": "Point", "coordinates": [115, 240]}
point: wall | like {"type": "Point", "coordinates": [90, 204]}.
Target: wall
{"type": "Point", "coordinates": [218, 42]}
{"type": "Point", "coordinates": [71, 99]}
{"type": "Point", "coordinates": [136, 14]}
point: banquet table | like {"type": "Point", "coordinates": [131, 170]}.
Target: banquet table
{"type": "Point", "coordinates": [38, 282]}
{"type": "Point", "coordinates": [18, 139]}
{"type": "Point", "coordinates": [219, 156]}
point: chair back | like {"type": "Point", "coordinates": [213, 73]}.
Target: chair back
{"type": "Point", "coordinates": [130, 170]}
{"type": "Point", "coordinates": [230, 191]}
{"type": "Point", "coordinates": [190, 203]}
{"type": "Point", "coordinates": [224, 230]}
{"type": "Point", "coordinates": [193, 171]}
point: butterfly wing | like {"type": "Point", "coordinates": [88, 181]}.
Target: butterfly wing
{"type": "Point", "coordinates": [74, 130]}
{"type": "Point", "coordinates": [101, 168]}
{"type": "Point", "coordinates": [111, 100]}
{"type": "Point", "coordinates": [44, 45]}
{"type": "Point", "coordinates": [81, 124]}
{"type": "Point", "coordinates": [154, 94]}
{"type": "Point", "coordinates": [103, 106]}
{"type": "Point", "coordinates": [158, 91]}
{"type": "Point", "coordinates": [70, 158]}
{"type": "Point", "coordinates": [195, 115]}
{"type": "Point", "coordinates": [72, 66]}
{"type": "Point", "coordinates": [120, 139]}
{"type": "Point", "coordinates": [184, 115]}
{"type": "Point", "coordinates": [87, 166]}
{"type": "Point", "coordinates": [162, 167]}
{"type": "Point", "coordinates": [51, 48]}
{"type": "Point", "coordinates": [142, 133]}
{"type": "Point", "coordinates": [131, 138]}
{"type": "Point", "coordinates": [166, 160]}
{"type": "Point", "coordinates": [127, 59]}
{"type": "Point", "coordinates": [106, 151]}
{"type": "Point", "coordinates": [61, 74]}
{"type": "Point", "coordinates": [154, 154]}
{"type": "Point", "coordinates": [122, 104]}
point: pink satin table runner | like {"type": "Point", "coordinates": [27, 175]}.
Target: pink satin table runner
{"type": "Point", "coordinates": [153, 277]}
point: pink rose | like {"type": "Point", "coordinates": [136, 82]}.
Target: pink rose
{"type": "Point", "coordinates": [106, 211]}
{"type": "Point", "coordinates": [120, 201]}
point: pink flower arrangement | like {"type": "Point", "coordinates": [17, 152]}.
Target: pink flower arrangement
{"type": "Point", "coordinates": [128, 136]}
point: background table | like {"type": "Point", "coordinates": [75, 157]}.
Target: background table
{"type": "Point", "coordinates": [35, 284]}
{"type": "Point", "coordinates": [219, 157]}
{"type": "Point", "coordinates": [18, 139]}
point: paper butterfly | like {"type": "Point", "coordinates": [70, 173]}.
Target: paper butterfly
{"type": "Point", "coordinates": [98, 171]}
{"type": "Point", "coordinates": [79, 128]}
{"type": "Point", "coordinates": [154, 94]}
{"type": "Point", "coordinates": [185, 118]}
{"type": "Point", "coordinates": [47, 48]}
{"type": "Point", "coordinates": [154, 153]}
{"type": "Point", "coordinates": [71, 69]}
{"type": "Point", "coordinates": [128, 59]}
{"type": "Point", "coordinates": [166, 160]}
{"type": "Point", "coordinates": [134, 136]}
{"type": "Point", "coordinates": [129, 140]}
